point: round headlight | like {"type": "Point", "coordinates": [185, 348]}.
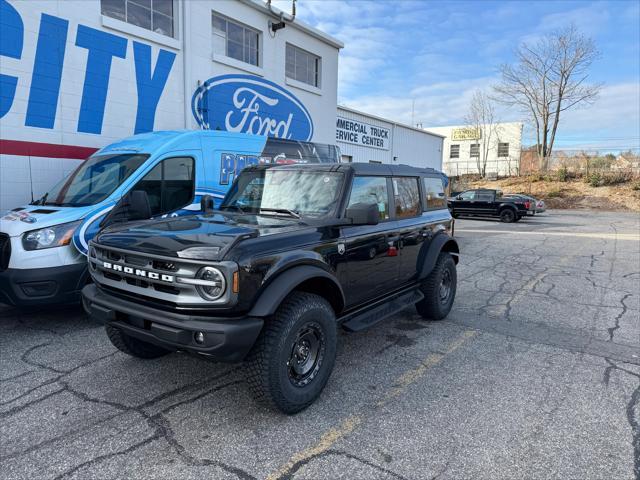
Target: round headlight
{"type": "Point", "coordinates": [213, 283]}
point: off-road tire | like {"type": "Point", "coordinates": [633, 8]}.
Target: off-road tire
{"type": "Point", "coordinates": [268, 371]}
{"type": "Point", "coordinates": [132, 346]}
{"type": "Point", "coordinates": [433, 306]}
{"type": "Point", "coordinates": [507, 215]}
{"type": "Point", "coordinates": [518, 218]}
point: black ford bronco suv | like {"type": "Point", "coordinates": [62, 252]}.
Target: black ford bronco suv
{"type": "Point", "coordinates": [293, 253]}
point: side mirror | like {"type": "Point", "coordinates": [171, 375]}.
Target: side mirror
{"type": "Point", "coordinates": [206, 204]}
{"type": "Point", "coordinates": [132, 206]}
{"type": "Point", "coordinates": [459, 197]}
{"type": "Point", "coordinates": [363, 214]}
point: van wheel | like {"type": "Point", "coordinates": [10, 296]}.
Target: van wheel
{"type": "Point", "coordinates": [507, 215]}
{"type": "Point", "coordinates": [132, 346]}
{"type": "Point", "coordinates": [439, 289]}
{"type": "Point", "coordinates": [293, 357]}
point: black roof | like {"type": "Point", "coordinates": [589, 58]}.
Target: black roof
{"type": "Point", "coordinates": [371, 169]}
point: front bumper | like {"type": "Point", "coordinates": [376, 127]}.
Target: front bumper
{"type": "Point", "coordinates": [225, 339]}
{"type": "Point", "coordinates": [43, 286]}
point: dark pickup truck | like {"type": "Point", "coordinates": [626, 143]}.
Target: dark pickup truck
{"type": "Point", "coordinates": [488, 203]}
{"type": "Point", "coordinates": [293, 253]}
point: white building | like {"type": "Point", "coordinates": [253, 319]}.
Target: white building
{"type": "Point", "coordinates": [367, 138]}
{"type": "Point", "coordinates": [463, 149]}
{"type": "Point", "coordinates": [79, 74]}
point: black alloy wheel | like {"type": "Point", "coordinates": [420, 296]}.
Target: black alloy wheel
{"type": "Point", "coordinates": [307, 354]}
{"type": "Point", "coordinates": [444, 291]}
{"type": "Point", "coordinates": [507, 215]}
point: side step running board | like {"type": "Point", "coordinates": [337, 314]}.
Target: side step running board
{"type": "Point", "coordinates": [368, 316]}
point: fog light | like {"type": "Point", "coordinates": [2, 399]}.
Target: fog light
{"type": "Point", "coordinates": [199, 337]}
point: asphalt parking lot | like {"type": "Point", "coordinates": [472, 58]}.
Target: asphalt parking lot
{"type": "Point", "coordinates": [534, 374]}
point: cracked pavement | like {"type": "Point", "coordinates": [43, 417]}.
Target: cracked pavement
{"type": "Point", "coordinates": [534, 374]}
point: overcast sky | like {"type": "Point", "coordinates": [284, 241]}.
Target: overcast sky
{"type": "Point", "coordinates": [434, 54]}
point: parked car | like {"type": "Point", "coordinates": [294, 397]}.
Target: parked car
{"type": "Point", "coordinates": [540, 206]}
{"type": "Point", "coordinates": [293, 253]}
{"type": "Point", "coordinates": [488, 203]}
{"type": "Point", "coordinates": [43, 245]}
{"type": "Point", "coordinates": [532, 210]}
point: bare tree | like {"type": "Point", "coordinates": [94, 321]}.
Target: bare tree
{"type": "Point", "coordinates": [548, 78]}
{"type": "Point", "coordinates": [482, 122]}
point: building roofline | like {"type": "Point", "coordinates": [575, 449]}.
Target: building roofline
{"type": "Point", "coordinates": [467, 126]}
{"type": "Point", "coordinates": [300, 25]}
{"type": "Point", "coordinates": [392, 122]}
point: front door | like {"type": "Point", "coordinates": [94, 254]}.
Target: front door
{"type": "Point", "coordinates": [371, 261]}
{"type": "Point", "coordinates": [463, 204]}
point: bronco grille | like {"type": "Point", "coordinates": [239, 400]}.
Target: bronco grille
{"type": "Point", "coordinates": [5, 251]}
{"type": "Point", "coordinates": [151, 276]}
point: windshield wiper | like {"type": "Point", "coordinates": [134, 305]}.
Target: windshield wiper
{"type": "Point", "coordinates": [41, 201]}
{"type": "Point", "coordinates": [291, 213]}
{"type": "Point", "coordinates": [240, 209]}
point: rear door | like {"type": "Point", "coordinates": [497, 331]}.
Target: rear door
{"type": "Point", "coordinates": [410, 224]}
{"type": "Point", "coordinates": [483, 203]}
{"type": "Point", "coordinates": [370, 264]}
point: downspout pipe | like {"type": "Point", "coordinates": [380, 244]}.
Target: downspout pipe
{"type": "Point", "coordinates": [186, 23]}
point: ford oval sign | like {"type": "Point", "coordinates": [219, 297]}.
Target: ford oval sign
{"type": "Point", "coordinates": [250, 104]}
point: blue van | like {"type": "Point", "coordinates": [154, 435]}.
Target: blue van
{"type": "Point", "coordinates": [43, 245]}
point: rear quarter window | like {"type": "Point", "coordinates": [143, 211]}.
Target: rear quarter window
{"type": "Point", "coordinates": [434, 197]}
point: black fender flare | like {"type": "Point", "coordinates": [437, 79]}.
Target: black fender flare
{"type": "Point", "coordinates": [504, 205]}
{"type": "Point", "coordinates": [287, 281]}
{"type": "Point", "coordinates": [429, 255]}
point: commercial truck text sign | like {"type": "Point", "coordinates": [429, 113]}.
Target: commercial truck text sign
{"type": "Point", "coordinates": [360, 133]}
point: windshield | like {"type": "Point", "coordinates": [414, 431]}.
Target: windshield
{"type": "Point", "coordinates": [94, 180]}
{"type": "Point", "coordinates": [292, 192]}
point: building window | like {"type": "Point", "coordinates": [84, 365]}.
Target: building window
{"type": "Point", "coordinates": [475, 150]}
{"type": "Point", "coordinates": [303, 66]}
{"type": "Point", "coordinates": [503, 149]}
{"type": "Point", "coordinates": [235, 40]}
{"type": "Point", "coordinates": [454, 151]}
{"type": "Point", "coordinates": [154, 15]}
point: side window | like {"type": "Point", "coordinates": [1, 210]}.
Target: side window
{"type": "Point", "coordinates": [371, 190]}
{"type": "Point", "coordinates": [406, 196]}
{"type": "Point", "coordinates": [169, 185]}
{"type": "Point", "coordinates": [484, 197]}
{"type": "Point", "coordinates": [468, 195]}
{"type": "Point", "coordinates": [434, 194]}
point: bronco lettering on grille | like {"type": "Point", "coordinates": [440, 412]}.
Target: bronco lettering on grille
{"type": "Point", "coordinates": [137, 272]}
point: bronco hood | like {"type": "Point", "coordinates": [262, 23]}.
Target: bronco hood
{"type": "Point", "coordinates": [201, 237]}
